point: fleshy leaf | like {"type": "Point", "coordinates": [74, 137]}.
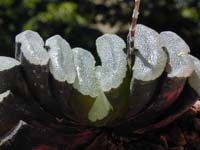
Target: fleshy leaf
{"type": "Point", "coordinates": [194, 80]}
{"type": "Point", "coordinates": [4, 95]}
{"type": "Point", "coordinates": [61, 59]}
{"type": "Point", "coordinates": [10, 136]}
{"type": "Point", "coordinates": [180, 65]}
{"type": "Point", "coordinates": [113, 61]}
{"type": "Point", "coordinates": [150, 59]}
{"type": "Point", "coordinates": [8, 63]}
{"type": "Point", "coordinates": [100, 108]}
{"type": "Point", "coordinates": [85, 81]}
{"type": "Point", "coordinates": [32, 47]}
{"type": "Point", "coordinates": [10, 76]}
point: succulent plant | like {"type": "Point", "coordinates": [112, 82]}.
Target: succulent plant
{"type": "Point", "coordinates": [56, 97]}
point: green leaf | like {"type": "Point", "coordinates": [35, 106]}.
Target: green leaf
{"type": "Point", "coordinates": [100, 108]}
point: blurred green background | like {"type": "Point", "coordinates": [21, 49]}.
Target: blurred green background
{"type": "Point", "coordinates": [80, 22]}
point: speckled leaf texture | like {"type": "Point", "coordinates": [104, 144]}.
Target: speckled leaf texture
{"type": "Point", "coordinates": [55, 97]}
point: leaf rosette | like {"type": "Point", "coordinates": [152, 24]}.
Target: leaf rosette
{"type": "Point", "coordinates": [54, 89]}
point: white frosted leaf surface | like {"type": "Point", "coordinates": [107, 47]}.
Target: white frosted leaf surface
{"type": "Point", "coordinates": [32, 47]}
{"type": "Point", "coordinates": [85, 81]}
{"type": "Point", "coordinates": [7, 63]}
{"type": "Point", "coordinates": [114, 64]}
{"type": "Point", "coordinates": [61, 59]}
{"type": "Point", "coordinates": [174, 42]}
{"type": "Point", "coordinates": [194, 79]}
{"type": "Point", "coordinates": [180, 64]}
{"type": "Point", "coordinates": [150, 60]}
{"type": "Point", "coordinates": [100, 108]}
{"type": "Point", "coordinates": [4, 95]}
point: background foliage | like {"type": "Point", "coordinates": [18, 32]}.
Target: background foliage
{"type": "Point", "coordinates": [80, 22]}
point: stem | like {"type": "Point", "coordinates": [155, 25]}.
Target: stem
{"type": "Point", "coordinates": [131, 34]}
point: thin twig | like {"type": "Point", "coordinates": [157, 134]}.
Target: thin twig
{"type": "Point", "coordinates": [131, 34]}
